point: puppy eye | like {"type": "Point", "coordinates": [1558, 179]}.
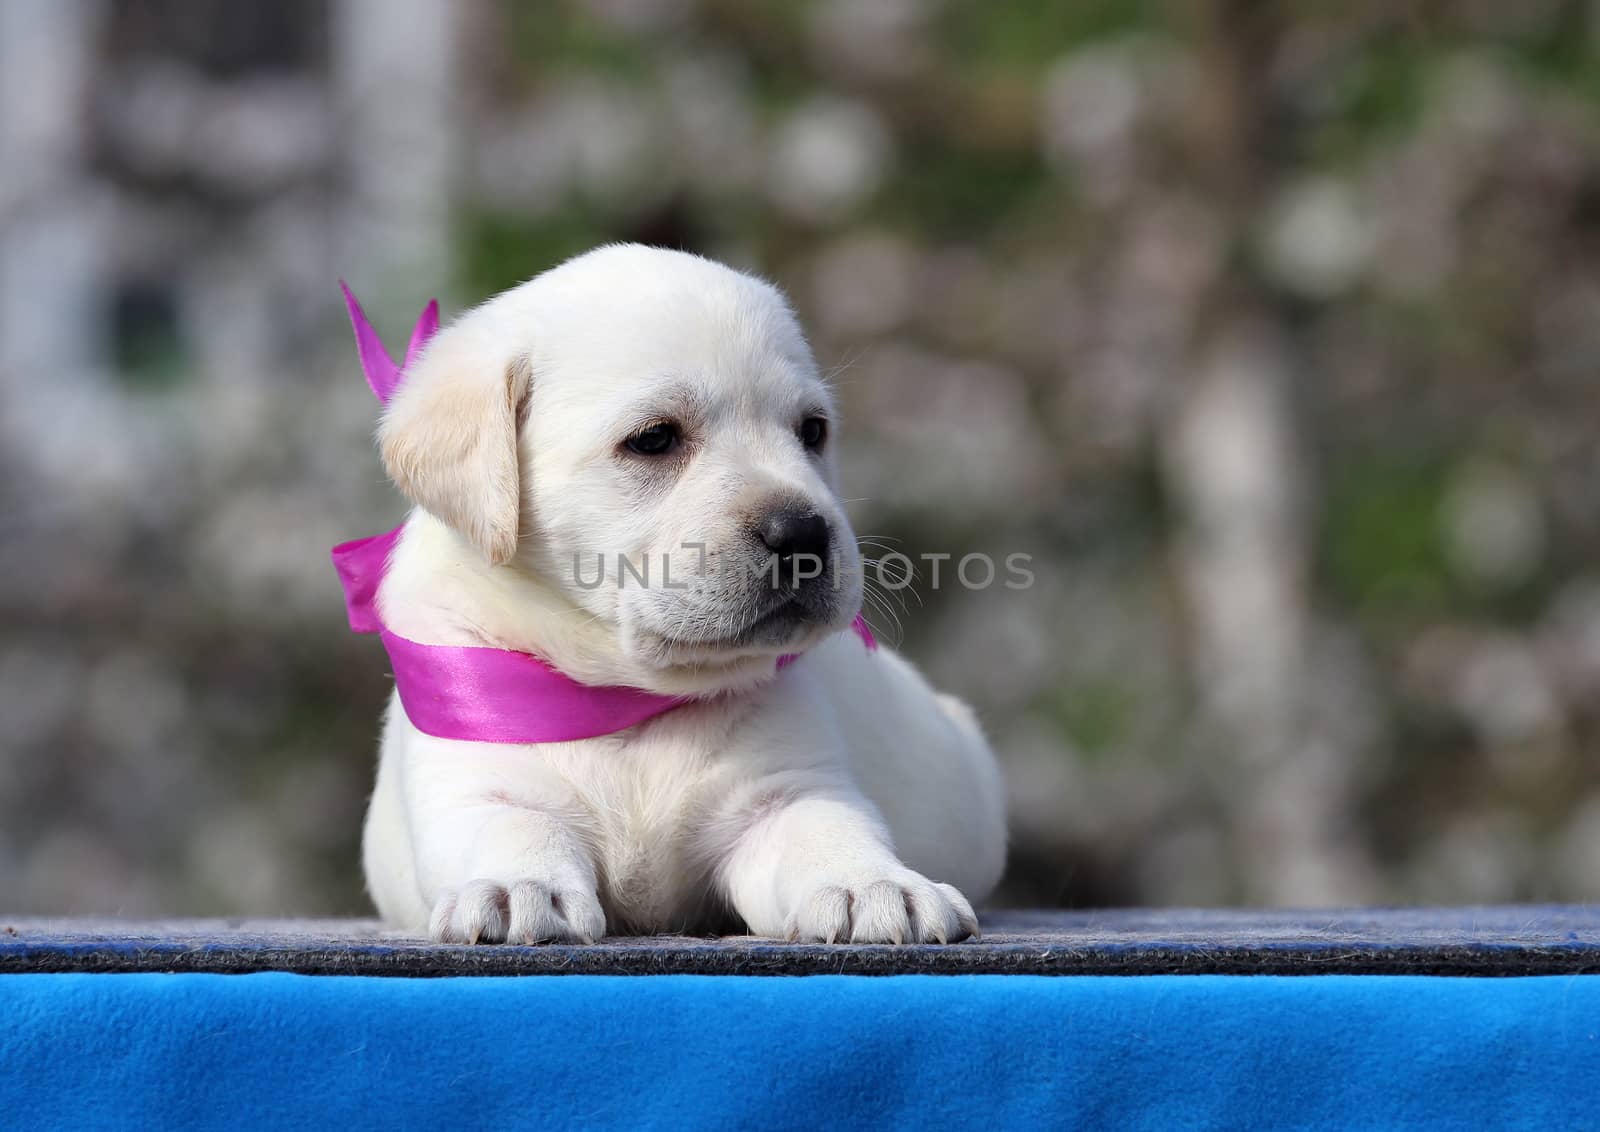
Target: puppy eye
{"type": "Point", "coordinates": [657, 440]}
{"type": "Point", "coordinates": [813, 432]}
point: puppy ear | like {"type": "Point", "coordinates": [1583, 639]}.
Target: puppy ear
{"type": "Point", "coordinates": [449, 438]}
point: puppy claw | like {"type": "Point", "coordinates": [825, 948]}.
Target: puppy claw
{"type": "Point", "coordinates": [966, 917]}
{"type": "Point", "coordinates": [526, 911]}
{"type": "Point", "coordinates": [906, 909]}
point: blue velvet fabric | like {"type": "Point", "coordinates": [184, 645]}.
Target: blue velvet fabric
{"type": "Point", "coordinates": [1004, 1051]}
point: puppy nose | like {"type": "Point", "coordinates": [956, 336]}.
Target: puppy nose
{"type": "Point", "coordinates": [791, 533]}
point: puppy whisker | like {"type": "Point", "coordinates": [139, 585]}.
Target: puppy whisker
{"type": "Point", "coordinates": [878, 606]}
{"type": "Point", "coordinates": [835, 373]}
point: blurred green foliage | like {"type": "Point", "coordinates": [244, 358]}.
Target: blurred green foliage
{"type": "Point", "coordinates": [1317, 617]}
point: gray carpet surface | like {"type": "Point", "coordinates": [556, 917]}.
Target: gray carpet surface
{"type": "Point", "coordinates": [1484, 941]}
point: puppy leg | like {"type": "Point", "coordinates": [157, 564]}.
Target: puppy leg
{"type": "Point", "coordinates": [820, 867]}
{"type": "Point", "coordinates": [509, 874]}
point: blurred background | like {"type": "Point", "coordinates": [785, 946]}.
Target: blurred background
{"type": "Point", "coordinates": [1270, 330]}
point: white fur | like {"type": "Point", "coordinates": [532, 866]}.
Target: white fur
{"type": "Point", "coordinates": [841, 798]}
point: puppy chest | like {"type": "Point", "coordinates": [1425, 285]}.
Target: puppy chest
{"type": "Point", "coordinates": [650, 885]}
{"type": "Point", "coordinates": [653, 871]}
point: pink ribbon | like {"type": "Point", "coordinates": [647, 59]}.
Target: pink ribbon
{"type": "Point", "coordinates": [382, 374]}
{"type": "Point", "coordinates": [483, 695]}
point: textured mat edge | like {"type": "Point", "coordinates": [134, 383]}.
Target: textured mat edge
{"type": "Point", "coordinates": [1488, 942]}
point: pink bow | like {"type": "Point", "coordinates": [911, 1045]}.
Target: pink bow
{"type": "Point", "coordinates": [382, 374]}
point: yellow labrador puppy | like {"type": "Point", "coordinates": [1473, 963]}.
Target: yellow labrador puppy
{"type": "Point", "coordinates": [631, 414]}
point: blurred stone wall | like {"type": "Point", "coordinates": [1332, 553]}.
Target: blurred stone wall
{"type": "Point", "coordinates": [1270, 332]}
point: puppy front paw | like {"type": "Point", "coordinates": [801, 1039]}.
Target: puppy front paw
{"type": "Point", "coordinates": [906, 908]}
{"type": "Point", "coordinates": [526, 911]}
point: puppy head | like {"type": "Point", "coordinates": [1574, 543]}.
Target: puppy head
{"type": "Point", "coordinates": [644, 431]}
